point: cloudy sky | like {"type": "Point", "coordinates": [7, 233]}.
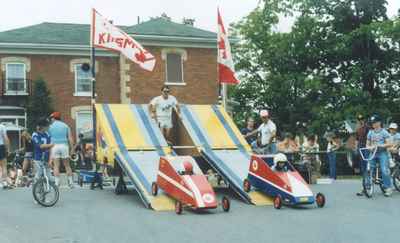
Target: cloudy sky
{"type": "Point", "coordinates": [19, 13]}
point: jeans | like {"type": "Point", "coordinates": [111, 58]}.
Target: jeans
{"type": "Point", "coordinates": [332, 164]}
{"type": "Point", "coordinates": [39, 166]}
{"type": "Point", "coordinates": [383, 159]}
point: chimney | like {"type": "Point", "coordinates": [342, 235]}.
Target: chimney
{"type": "Point", "coordinates": [188, 21]}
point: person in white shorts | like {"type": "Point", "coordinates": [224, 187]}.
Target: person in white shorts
{"type": "Point", "coordinates": [160, 109]}
{"type": "Point", "coordinates": [63, 144]}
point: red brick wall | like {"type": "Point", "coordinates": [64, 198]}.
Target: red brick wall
{"type": "Point", "coordinates": [55, 70]}
{"type": "Point", "coordinates": [199, 74]}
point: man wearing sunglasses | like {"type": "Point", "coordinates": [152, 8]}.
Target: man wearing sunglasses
{"type": "Point", "coordinates": [160, 109]}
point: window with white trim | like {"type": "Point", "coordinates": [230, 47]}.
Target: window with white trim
{"type": "Point", "coordinates": [83, 81]}
{"type": "Point", "coordinates": [15, 78]}
{"type": "Point", "coordinates": [84, 123]}
{"type": "Point", "coordinates": [174, 68]}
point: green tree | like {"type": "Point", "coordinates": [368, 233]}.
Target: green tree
{"type": "Point", "coordinates": [40, 104]}
{"type": "Point", "coordinates": [340, 58]}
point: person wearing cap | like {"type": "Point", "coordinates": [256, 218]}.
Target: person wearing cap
{"type": "Point", "coordinates": [379, 138]}
{"type": "Point", "coordinates": [160, 109]}
{"type": "Point", "coordinates": [362, 130]}
{"type": "Point", "coordinates": [265, 143]}
{"type": "Point", "coordinates": [395, 141]}
{"type": "Point", "coordinates": [63, 145]}
{"type": "Point", "coordinates": [4, 150]}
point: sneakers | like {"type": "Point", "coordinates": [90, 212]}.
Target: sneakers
{"type": "Point", "coordinates": [361, 193]}
{"type": "Point", "coordinates": [388, 192]}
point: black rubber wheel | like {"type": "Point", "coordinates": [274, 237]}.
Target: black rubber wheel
{"type": "Point", "coordinates": [382, 187]}
{"type": "Point", "coordinates": [178, 207]}
{"type": "Point", "coordinates": [40, 192]}
{"type": "Point", "coordinates": [154, 188]}
{"type": "Point", "coordinates": [320, 200]}
{"type": "Point", "coordinates": [80, 181]}
{"type": "Point", "coordinates": [278, 202]}
{"type": "Point", "coordinates": [246, 185]}
{"type": "Point", "coordinates": [368, 185]}
{"type": "Point", "coordinates": [396, 179]}
{"type": "Point", "coordinates": [226, 204]}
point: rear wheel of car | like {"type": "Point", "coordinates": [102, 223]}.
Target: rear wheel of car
{"type": "Point", "coordinates": [154, 189]}
{"type": "Point", "coordinates": [320, 200]}
{"type": "Point", "coordinates": [246, 185]}
{"type": "Point", "coordinates": [226, 204]}
{"type": "Point", "coordinates": [278, 202]}
{"type": "Point", "coordinates": [178, 207]}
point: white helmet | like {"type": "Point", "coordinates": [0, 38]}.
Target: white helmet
{"type": "Point", "coordinates": [280, 158]}
{"type": "Point", "coordinates": [393, 125]}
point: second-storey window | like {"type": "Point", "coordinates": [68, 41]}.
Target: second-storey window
{"type": "Point", "coordinates": [83, 81]}
{"type": "Point", "coordinates": [174, 67]}
{"type": "Point", "coordinates": [15, 78]}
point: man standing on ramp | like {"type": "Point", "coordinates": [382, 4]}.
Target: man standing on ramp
{"type": "Point", "coordinates": [160, 109]}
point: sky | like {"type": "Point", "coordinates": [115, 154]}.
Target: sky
{"type": "Point", "coordinates": [20, 13]}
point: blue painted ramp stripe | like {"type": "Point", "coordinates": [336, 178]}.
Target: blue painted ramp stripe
{"type": "Point", "coordinates": [124, 151]}
{"type": "Point", "coordinates": [230, 132]}
{"type": "Point", "coordinates": [149, 129]}
{"type": "Point", "coordinates": [219, 164]}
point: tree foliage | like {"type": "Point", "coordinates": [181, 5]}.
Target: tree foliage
{"type": "Point", "coordinates": [340, 58]}
{"type": "Point", "coordinates": [40, 104]}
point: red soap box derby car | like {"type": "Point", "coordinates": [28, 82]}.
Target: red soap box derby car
{"type": "Point", "coordinates": [275, 176]}
{"type": "Point", "coordinates": [181, 178]}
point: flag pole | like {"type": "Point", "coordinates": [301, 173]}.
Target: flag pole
{"type": "Point", "coordinates": [93, 71]}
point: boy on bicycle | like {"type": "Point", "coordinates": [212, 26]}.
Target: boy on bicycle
{"type": "Point", "coordinates": [379, 138]}
{"type": "Point", "coordinates": [41, 147]}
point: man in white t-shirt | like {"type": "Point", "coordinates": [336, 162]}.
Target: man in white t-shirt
{"type": "Point", "coordinates": [4, 150]}
{"type": "Point", "coordinates": [161, 108]}
{"type": "Point", "coordinates": [266, 141]}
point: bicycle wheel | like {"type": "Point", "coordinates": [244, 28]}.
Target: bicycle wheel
{"type": "Point", "coordinates": [396, 179]}
{"type": "Point", "coordinates": [368, 185]}
{"type": "Point", "coordinates": [45, 195]}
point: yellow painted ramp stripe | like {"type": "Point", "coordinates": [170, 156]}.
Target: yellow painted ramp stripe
{"type": "Point", "coordinates": [235, 129]}
{"type": "Point", "coordinates": [128, 126]}
{"type": "Point", "coordinates": [105, 128]}
{"type": "Point", "coordinates": [212, 127]}
{"type": "Point", "coordinates": [163, 203]}
{"type": "Point", "coordinates": [260, 199]}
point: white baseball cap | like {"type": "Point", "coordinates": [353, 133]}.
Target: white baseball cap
{"type": "Point", "coordinates": [264, 113]}
{"type": "Point", "coordinates": [393, 126]}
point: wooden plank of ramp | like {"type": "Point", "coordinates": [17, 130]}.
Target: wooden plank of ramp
{"type": "Point", "coordinates": [260, 199]}
{"type": "Point", "coordinates": [163, 203]}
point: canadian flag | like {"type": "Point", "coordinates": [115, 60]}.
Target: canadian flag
{"type": "Point", "coordinates": [225, 63]}
{"type": "Point", "coordinates": [105, 35]}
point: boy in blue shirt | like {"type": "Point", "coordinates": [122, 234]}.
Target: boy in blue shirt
{"type": "Point", "coordinates": [41, 148]}
{"type": "Point", "coordinates": [379, 138]}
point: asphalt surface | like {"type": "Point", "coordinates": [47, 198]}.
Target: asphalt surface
{"type": "Point", "coordinates": [85, 216]}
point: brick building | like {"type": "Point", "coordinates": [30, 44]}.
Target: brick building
{"type": "Point", "coordinates": [186, 60]}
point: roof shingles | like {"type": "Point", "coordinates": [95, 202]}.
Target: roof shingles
{"type": "Point", "coordinates": [78, 34]}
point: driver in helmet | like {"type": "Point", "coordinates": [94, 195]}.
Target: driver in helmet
{"type": "Point", "coordinates": [188, 168]}
{"type": "Point", "coordinates": [280, 162]}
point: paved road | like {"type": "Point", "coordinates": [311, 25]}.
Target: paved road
{"type": "Point", "coordinates": [84, 216]}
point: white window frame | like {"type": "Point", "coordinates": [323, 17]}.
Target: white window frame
{"type": "Point", "coordinates": [167, 82]}
{"type": "Point", "coordinates": [76, 92]}
{"type": "Point", "coordinates": [77, 113]}
{"type": "Point", "coordinates": [12, 92]}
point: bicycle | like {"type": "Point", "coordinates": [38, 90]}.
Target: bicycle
{"type": "Point", "coordinates": [43, 187]}
{"type": "Point", "coordinates": [396, 173]}
{"type": "Point", "coordinates": [371, 177]}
